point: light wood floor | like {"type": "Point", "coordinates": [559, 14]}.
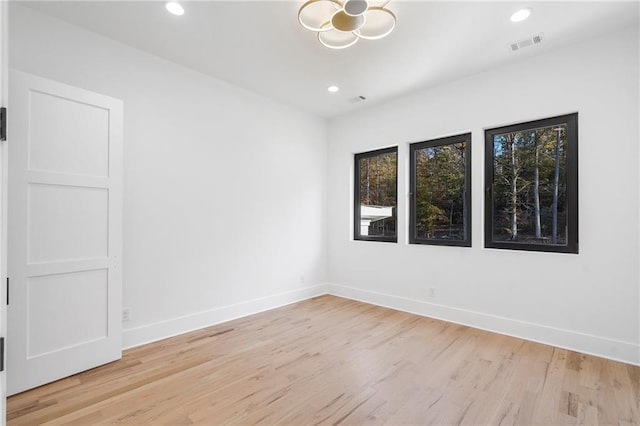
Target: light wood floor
{"type": "Point", "coordinates": [335, 361]}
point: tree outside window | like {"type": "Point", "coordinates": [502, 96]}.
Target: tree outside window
{"type": "Point", "coordinates": [376, 181]}
{"type": "Point", "coordinates": [440, 182]}
{"type": "Point", "coordinates": [531, 197]}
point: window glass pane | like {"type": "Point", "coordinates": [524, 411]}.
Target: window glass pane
{"type": "Point", "coordinates": [530, 186]}
{"type": "Point", "coordinates": [440, 192]}
{"type": "Point", "coordinates": [377, 195]}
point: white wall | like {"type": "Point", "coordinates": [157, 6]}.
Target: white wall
{"type": "Point", "coordinates": [224, 190]}
{"type": "Point", "coordinates": [587, 302]}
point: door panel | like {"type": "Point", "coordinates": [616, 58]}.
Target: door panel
{"type": "Point", "coordinates": [81, 144]}
{"type": "Point", "coordinates": [67, 222]}
{"type": "Point", "coordinates": [65, 231]}
{"type": "Point", "coordinates": [60, 331]}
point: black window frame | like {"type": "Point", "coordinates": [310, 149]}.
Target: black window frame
{"type": "Point", "coordinates": [572, 246]}
{"type": "Point", "coordinates": [448, 140]}
{"type": "Point", "coordinates": [356, 198]}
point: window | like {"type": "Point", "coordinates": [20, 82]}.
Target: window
{"type": "Point", "coordinates": [440, 179]}
{"type": "Point", "coordinates": [376, 177]}
{"type": "Point", "coordinates": [531, 177]}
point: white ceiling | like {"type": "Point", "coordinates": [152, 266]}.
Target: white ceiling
{"type": "Point", "coordinates": [260, 46]}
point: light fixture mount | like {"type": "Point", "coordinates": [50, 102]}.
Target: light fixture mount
{"type": "Point", "coordinates": [355, 7]}
{"type": "Point", "coordinates": [341, 23]}
{"type": "Point", "coordinates": [344, 22]}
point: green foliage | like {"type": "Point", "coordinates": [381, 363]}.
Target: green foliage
{"type": "Point", "coordinates": [440, 186]}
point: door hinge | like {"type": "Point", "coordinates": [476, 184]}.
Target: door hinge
{"type": "Point", "coordinates": [1, 353]}
{"type": "Point", "coordinates": [7, 291]}
{"type": "Point", "coordinates": [3, 124]}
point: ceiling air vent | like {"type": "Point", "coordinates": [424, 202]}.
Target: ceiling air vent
{"type": "Point", "coordinates": [536, 39]}
{"type": "Point", "coordinates": [356, 99]}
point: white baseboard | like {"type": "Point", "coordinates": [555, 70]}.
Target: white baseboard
{"type": "Point", "coordinates": [616, 350]}
{"type": "Point", "coordinates": [161, 330]}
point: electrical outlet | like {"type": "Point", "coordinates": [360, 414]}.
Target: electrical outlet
{"type": "Point", "coordinates": [432, 292]}
{"type": "Point", "coordinates": [126, 314]}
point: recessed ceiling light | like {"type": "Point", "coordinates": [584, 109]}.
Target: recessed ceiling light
{"type": "Point", "coordinates": [174, 8]}
{"type": "Point", "coordinates": [521, 15]}
{"type": "Point", "coordinates": [333, 89]}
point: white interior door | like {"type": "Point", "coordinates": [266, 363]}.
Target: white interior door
{"type": "Point", "coordinates": [65, 231]}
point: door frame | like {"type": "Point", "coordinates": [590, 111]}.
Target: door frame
{"type": "Point", "coordinates": [4, 101]}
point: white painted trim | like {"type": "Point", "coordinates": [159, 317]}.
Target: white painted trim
{"type": "Point", "coordinates": [616, 350]}
{"type": "Point", "coordinates": [4, 101]}
{"type": "Point", "coordinates": [168, 328]}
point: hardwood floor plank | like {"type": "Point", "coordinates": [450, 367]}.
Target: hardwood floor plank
{"type": "Point", "coordinates": [333, 361]}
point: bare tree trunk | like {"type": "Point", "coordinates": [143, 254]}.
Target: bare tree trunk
{"type": "Point", "coordinates": [556, 184]}
{"type": "Point", "coordinates": [451, 218]}
{"type": "Point", "coordinates": [514, 191]}
{"type": "Point", "coordinates": [464, 195]}
{"type": "Point", "coordinates": [367, 196]}
{"type": "Point", "coordinates": [376, 201]}
{"type": "Point", "coordinates": [464, 214]}
{"type": "Point", "coordinates": [536, 188]}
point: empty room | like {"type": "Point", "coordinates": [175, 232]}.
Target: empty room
{"type": "Point", "coordinates": [320, 212]}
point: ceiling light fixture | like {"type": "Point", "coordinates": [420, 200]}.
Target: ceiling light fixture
{"type": "Point", "coordinates": [174, 8]}
{"type": "Point", "coordinates": [333, 89]}
{"type": "Point", "coordinates": [521, 15]}
{"type": "Point", "coordinates": [341, 23]}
